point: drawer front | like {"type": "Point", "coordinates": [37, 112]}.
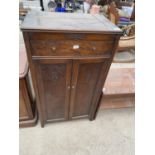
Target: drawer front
{"type": "Point", "coordinates": [71, 48]}
{"type": "Point", "coordinates": [70, 45]}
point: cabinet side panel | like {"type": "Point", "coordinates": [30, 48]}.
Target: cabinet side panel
{"type": "Point", "coordinates": [25, 108]}
{"type": "Point", "coordinates": [23, 114]}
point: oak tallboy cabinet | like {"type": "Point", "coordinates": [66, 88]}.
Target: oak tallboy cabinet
{"type": "Point", "coordinates": [69, 56]}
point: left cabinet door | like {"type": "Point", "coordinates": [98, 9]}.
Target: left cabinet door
{"type": "Point", "coordinates": [53, 77]}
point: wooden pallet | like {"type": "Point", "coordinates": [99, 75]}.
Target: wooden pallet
{"type": "Point", "coordinates": [119, 89]}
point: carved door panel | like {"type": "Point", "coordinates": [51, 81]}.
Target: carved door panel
{"type": "Point", "coordinates": [87, 81]}
{"type": "Point", "coordinates": [53, 80]}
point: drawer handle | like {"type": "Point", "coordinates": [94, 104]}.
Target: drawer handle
{"type": "Point", "coordinates": [94, 48]}
{"type": "Point", "coordinates": [73, 87]}
{"type": "Point", "coordinates": [76, 47]}
{"type": "Point", "coordinates": [53, 48]}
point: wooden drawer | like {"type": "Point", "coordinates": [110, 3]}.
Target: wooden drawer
{"type": "Point", "coordinates": [56, 44]}
{"type": "Point", "coordinates": [71, 48]}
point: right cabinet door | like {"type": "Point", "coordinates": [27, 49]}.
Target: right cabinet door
{"type": "Point", "coordinates": [88, 76]}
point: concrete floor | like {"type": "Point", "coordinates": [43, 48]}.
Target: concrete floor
{"type": "Point", "coordinates": [112, 133]}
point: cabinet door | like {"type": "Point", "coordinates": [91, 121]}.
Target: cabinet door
{"type": "Point", "coordinates": [87, 82]}
{"type": "Point", "coordinates": [53, 84]}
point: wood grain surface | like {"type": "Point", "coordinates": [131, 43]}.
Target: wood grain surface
{"type": "Point", "coordinates": [69, 56]}
{"type": "Point", "coordinates": [68, 22]}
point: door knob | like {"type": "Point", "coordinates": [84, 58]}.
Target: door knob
{"type": "Point", "coordinates": [73, 87]}
{"type": "Point", "coordinates": [94, 48]}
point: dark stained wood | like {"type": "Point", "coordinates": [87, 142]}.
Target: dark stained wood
{"type": "Point", "coordinates": [53, 80]}
{"type": "Point", "coordinates": [32, 68]}
{"type": "Point", "coordinates": [71, 48]}
{"type": "Point", "coordinates": [67, 36]}
{"type": "Point", "coordinates": [27, 110]}
{"type": "Point", "coordinates": [84, 80]}
{"type": "Point", "coordinates": [69, 56]}
{"type": "Point", "coordinates": [30, 122]}
{"type": "Point", "coordinates": [101, 81]}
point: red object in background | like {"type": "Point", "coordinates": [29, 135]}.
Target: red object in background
{"type": "Point", "coordinates": [95, 9]}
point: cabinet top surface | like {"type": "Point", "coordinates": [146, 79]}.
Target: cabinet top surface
{"type": "Point", "coordinates": [68, 22]}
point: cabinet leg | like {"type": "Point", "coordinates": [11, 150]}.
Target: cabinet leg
{"type": "Point", "coordinates": [42, 124]}
{"type": "Point", "coordinates": [93, 116]}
